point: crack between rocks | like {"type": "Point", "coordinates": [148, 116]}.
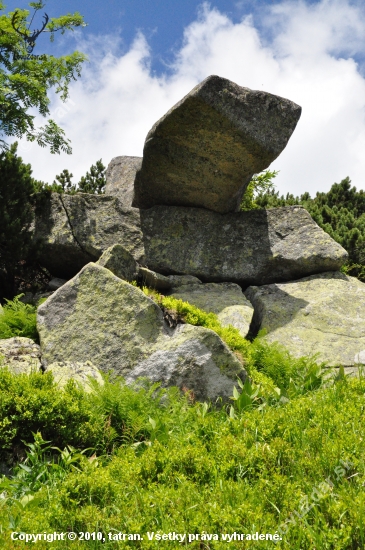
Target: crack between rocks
{"type": "Point", "coordinates": [336, 333]}
{"type": "Point", "coordinates": [72, 230]}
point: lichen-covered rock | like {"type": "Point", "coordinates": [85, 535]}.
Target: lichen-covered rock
{"type": "Point", "coordinates": [255, 247]}
{"type": "Point", "coordinates": [73, 230]}
{"type": "Point", "coordinates": [159, 282]}
{"type": "Point", "coordinates": [205, 149]}
{"type": "Point", "coordinates": [63, 371]}
{"type": "Point", "coordinates": [100, 318]}
{"type": "Point", "coordinates": [226, 300]}
{"type": "Point", "coordinates": [120, 262]}
{"type": "Point", "coordinates": [322, 314]}
{"type": "Point", "coordinates": [21, 355]}
{"type": "Point", "coordinates": [195, 360]}
{"type": "Point", "coordinates": [120, 176]}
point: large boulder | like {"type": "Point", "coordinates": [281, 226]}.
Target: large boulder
{"type": "Point", "coordinates": [120, 176]}
{"type": "Point", "coordinates": [195, 359]}
{"type": "Point", "coordinates": [226, 300]}
{"type": "Point", "coordinates": [204, 151]}
{"type": "Point", "coordinates": [100, 318]}
{"type": "Point", "coordinates": [21, 355]}
{"type": "Point", "coordinates": [256, 247]}
{"type": "Point", "coordinates": [322, 314]}
{"type": "Point", "coordinates": [73, 230]}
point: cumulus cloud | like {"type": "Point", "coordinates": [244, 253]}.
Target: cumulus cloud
{"type": "Point", "coordinates": [305, 52]}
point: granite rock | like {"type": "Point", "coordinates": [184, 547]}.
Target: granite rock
{"type": "Point", "coordinates": [100, 318]}
{"type": "Point", "coordinates": [120, 176]}
{"type": "Point", "coordinates": [322, 314]}
{"type": "Point", "coordinates": [226, 300]}
{"type": "Point", "coordinates": [204, 151]}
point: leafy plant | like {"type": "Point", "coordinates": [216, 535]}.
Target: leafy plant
{"type": "Point", "coordinates": [25, 79]}
{"type": "Point", "coordinates": [259, 185]}
{"type": "Point", "coordinates": [18, 319]}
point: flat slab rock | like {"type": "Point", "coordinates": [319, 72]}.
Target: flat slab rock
{"type": "Point", "coordinates": [204, 151]}
{"type": "Point", "coordinates": [256, 247]}
{"type": "Point", "coordinates": [226, 300]}
{"type": "Point", "coordinates": [322, 314]}
{"type": "Point", "coordinates": [100, 318]}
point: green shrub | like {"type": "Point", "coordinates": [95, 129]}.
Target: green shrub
{"type": "Point", "coordinates": [31, 404]}
{"type": "Point", "coordinates": [18, 319]}
{"type": "Point", "coordinates": [214, 473]}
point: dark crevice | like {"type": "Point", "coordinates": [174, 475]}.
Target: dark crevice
{"type": "Point", "coordinates": [72, 230]}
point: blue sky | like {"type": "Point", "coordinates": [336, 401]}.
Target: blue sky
{"type": "Point", "coordinates": [145, 55]}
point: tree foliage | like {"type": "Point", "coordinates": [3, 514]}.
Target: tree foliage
{"type": "Point", "coordinates": [259, 185]}
{"type": "Point", "coordinates": [26, 79]}
{"type": "Point", "coordinates": [16, 215]}
{"type": "Point", "coordinates": [93, 182]}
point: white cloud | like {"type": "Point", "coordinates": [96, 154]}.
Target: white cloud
{"type": "Point", "coordinates": [299, 51]}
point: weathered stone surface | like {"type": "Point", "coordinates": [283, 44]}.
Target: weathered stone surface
{"type": "Point", "coordinates": [64, 371]}
{"type": "Point", "coordinates": [161, 283]}
{"type": "Point", "coordinates": [204, 151]}
{"type": "Point", "coordinates": [256, 247]}
{"type": "Point", "coordinates": [120, 176]}
{"type": "Point", "coordinates": [98, 317]}
{"type": "Point", "coordinates": [226, 300]}
{"type": "Point", "coordinates": [195, 359]}
{"type": "Point", "coordinates": [73, 230]}
{"type": "Point", "coordinates": [21, 355]}
{"type": "Point", "coordinates": [182, 280]}
{"type": "Point", "coordinates": [322, 314]}
{"type": "Point", "coordinates": [120, 262]}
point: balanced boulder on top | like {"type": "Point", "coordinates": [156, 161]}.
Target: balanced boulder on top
{"type": "Point", "coordinates": [204, 151]}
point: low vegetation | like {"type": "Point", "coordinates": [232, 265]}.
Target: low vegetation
{"type": "Point", "coordinates": [286, 456]}
{"type": "Point", "coordinates": [160, 463]}
{"type": "Point", "coordinates": [18, 319]}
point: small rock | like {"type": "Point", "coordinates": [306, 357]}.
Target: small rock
{"type": "Point", "coordinates": [64, 371]}
{"type": "Point", "coordinates": [21, 355]}
{"type": "Point", "coordinates": [226, 300]}
{"type": "Point", "coordinates": [159, 282]}
{"type": "Point", "coordinates": [56, 283]}
{"type": "Point", "coordinates": [120, 262]}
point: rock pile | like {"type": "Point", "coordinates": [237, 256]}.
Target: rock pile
{"type": "Point", "coordinates": [170, 220]}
